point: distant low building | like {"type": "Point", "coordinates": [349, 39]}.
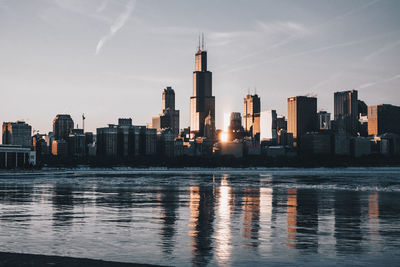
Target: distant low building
{"type": "Point", "coordinates": [360, 146]}
{"type": "Point", "coordinates": [316, 143]}
{"type": "Point", "coordinates": [14, 156]}
{"type": "Point", "coordinates": [230, 148]}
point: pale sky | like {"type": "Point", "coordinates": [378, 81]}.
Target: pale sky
{"type": "Point", "coordinates": [112, 58]}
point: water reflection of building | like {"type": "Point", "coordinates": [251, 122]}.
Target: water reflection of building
{"type": "Point", "coordinates": [63, 204]}
{"type": "Point", "coordinates": [223, 235]}
{"type": "Point", "coordinates": [201, 223]}
{"type": "Point", "coordinates": [251, 215]}
{"type": "Point", "coordinates": [266, 217]}
{"type": "Point", "coordinates": [302, 219]}
{"type": "Point", "coordinates": [307, 220]}
{"type": "Point", "coordinates": [291, 217]}
{"type": "Point", "coordinates": [373, 215]}
{"type": "Point", "coordinates": [348, 232]}
{"type": "Point", "coordinates": [169, 202]}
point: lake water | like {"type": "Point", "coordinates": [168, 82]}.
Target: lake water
{"type": "Point", "coordinates": [220, 217]}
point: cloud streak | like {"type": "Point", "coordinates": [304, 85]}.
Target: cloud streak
{"type": "Point", "coordinates": [117, 25]}
{"type": "Point", "coordinates": [366, 85]}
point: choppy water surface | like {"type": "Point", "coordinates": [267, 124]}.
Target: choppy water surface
{"type": "Point", "coordinates": [199, 217]}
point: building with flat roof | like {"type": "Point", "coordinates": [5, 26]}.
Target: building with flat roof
{"type": "Point", "coordinates": [17, 133]}
{"type": "Point", "coordinates": [302, 116]}
{"type": "Point", "coordinates": [346, 111]}
{"type": "Point", "coordinates": [268, 125]}
{"type": "Point", "coordinates": [383, 119]}
{"type": "Point", "coordinates": [251, 114]}
{"type": "Point", "coordinates": [14, 156]}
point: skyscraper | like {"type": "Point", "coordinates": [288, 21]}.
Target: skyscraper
{"type": "Point", "coordinates": [346, 111]}
{"type": "Point", "coordinates": [251, 114]}
{"type": "Point", "coordinates": [62, 125]}
{"type": "Point", "coordinates": [268, 125]}
{"type": "Point", "coordinates": [383, 119]}
{"type": "Point", "coordinates": [302, 115]}
{"type": "Point", "coordinates": [169, 117]}
{"type": "Point", "coordinates": [17, 133]}
{"type": "Point", "coordinates": [202, 103]}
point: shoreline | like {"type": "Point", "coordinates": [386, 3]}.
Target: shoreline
{"type": "Point", "coordinates": [23, 259]}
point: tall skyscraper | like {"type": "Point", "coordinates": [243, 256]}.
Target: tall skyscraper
{"type": "Point", "coordinates": [302, 115]}
{"type": "Point", "coordinates": [346, 111]}
{"type": "Point", "coordinates": [62, 126]}
{"type": "Point", "coordinates": [202, 103]}
{"type": "Point", "coordinates": [169, 117]}
{"type": "Point", "coordinates": [17, 133]}
{"type": "Point", "coordinates": [383, 119]}
{"type": "Point", "coordinates": [251, 114]}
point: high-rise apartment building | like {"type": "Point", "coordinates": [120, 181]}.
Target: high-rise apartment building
{"type": "Point", "coordinates": [62, 126]}
{"type": "Point", "coordinates": [302, 116]}
{"type": "Point", "coordinates": [17, 133]}
{"type": "Point", "coordinates": [251, 114]}
{"type": "Point", "coordinates": [202, 103]}
{"type": "Point", "coordinates": [383, 119]}
{"type": "Point", "coordinates": [346, 111]}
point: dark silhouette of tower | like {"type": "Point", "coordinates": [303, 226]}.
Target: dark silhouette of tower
{"type": "Point", "coordinates": [202, 103]}
{"type": "Point", "coordinates": [62, 125]}
{"type": "Point", "coordinates": [346, 110]}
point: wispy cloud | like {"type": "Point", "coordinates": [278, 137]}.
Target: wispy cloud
{"type": "Point", "coordinates": [102, 6]}
{"type": "Point", "coordinates": [383, 49]}
{"type": "Point", "coordinates": [311, 51]}
{"type": "Point", "coordinates": [117, 25]}
{"type": "Point", "coordinates": [366, 85]}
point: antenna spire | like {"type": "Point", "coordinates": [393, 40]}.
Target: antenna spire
{"type": "Point", "coordinates": [202, 41]}
{"type": "Point", "coordinates": [199, 42]}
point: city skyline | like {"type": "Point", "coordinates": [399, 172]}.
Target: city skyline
{"type": "Point", "coordinates": [129, 54]}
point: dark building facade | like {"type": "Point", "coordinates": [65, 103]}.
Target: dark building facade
{"type": "Point", "coordinates": [302, 116]}
{"type": "Point", "coordinates": [383, 119]}
{"type": "Point", "coordinates": [17, 133]}
{"type": "Point", "coordinates": [346, 111]}
{"type": "Point", "coordinates": [202, 103]}
{"type": "Point", "coordinates": [62, 126]}
{"type": "Point", "coordinates": [169, 117]}
{"type": "Point", "coordinates": [125, 140]}
{"type": "Point", "coordinates": [251, 114]}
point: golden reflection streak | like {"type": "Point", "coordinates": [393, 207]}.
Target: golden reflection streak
{"type": "Point", "coordinates": [266, 213]}
{"type": "Point", "coordinates": [194, 203]}
{"type": "Point", "coordinates": [223, 233]}
{"type": "Point", "coordinates": [291, 217]}
{"type": "Point", "coordinates": [373, 214]}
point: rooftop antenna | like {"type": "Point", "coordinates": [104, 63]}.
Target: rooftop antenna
{"type": "Point", "coordinates": [83, 122]}
{"type": "Point", "coordinates": [199, 41]}
{"type": "Point", "coordinates": [255, 90]}
{"type": "Point", "coordinates": [202, 41]}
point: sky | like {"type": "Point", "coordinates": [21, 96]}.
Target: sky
{"type": "Point", "coordinates": [111, 59]}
